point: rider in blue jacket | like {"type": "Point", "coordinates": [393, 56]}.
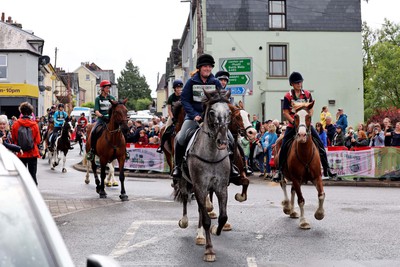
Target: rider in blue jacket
{"type": "Point", "coordinates": [59, 117]}
{"type": "Point", "coordinates": [191, 98]}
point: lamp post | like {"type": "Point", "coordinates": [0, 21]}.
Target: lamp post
{"type": "Point", "coordinates": [190, 38]}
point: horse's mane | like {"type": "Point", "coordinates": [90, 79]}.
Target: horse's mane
{"type": "Point", "coordinates": [216, 96]}
{"type": "Point", "coordinates": [110, 109]}
{"type": "Point", "coordinates": [176, 108]}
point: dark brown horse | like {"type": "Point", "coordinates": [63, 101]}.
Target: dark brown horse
{"type": "Point", "coordinates": [111, 145]}
{"type": "Point", "coordinates": [168, 147]}
{"type": "Point", "coordinates": [303, 164]}
{"type": "Point", "coordinates": [46, 140]}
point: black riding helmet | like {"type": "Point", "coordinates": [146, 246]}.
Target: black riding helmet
{"type": "Point", "coordinates": [204, 60]}
{"type": "Point", "coordinates": [177, 83]}
{"type": "Point", "coordinates": [61, 105]}
{"type": "Point", "coordinates": [295, 77]}
{"type": "Point", "coordinates": [222, 75]}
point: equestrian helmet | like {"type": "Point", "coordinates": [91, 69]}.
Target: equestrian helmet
{"type": "Point", "coordinates": [61, 105]}
{"type": "Point", "coordinates": [177, 83]}
{"type": "Point", "coordinates": [205, 60]}
{"type": "Point", "coordinates": [105, 83]}
{"type": "Point", "coordinates": [295, 77]}
{"type": "Point", "coordinates": [222, 75]}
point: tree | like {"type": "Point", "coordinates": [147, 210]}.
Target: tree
{"type": "Point", "coordinates": [132, 85]}
{"type": "Point", "coordinates": [381, 67]}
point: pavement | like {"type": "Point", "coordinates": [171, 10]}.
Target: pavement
{"type": "Point", "coordinates": [63, 207]}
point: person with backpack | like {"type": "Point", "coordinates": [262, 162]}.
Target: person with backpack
{"type": "Point", "coordinates": [292, 99]}
{"type": "Point", "coordinates": [25, 133]}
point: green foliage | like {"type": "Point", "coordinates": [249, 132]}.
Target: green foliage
{"type": "Point", "coordinates": [381, 67]}
{"type": "Point", "coordinates": [133, 86]}
{"type": "Point", "coordinates": [142, 104]}
{"type": "Point", "coordinates": [88, 105]}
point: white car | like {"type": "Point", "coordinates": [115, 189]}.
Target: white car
{"type": "Point", "coordinates": [28, 233]}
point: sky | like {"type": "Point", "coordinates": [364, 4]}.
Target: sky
{"type": "Point", "coordinates": [109, 33]}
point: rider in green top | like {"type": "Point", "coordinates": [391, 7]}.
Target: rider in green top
{"type": "Point", "coordinates": [101, 106]}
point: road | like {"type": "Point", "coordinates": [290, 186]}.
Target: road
{"type": "Point", "coordinates": [360, 227]}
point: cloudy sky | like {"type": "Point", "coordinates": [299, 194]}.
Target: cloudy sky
{"type": "Point", "coordinates": [109, 33]}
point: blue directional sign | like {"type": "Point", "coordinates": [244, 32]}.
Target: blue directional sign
{"type": "Point", "coordinates": [237, 90]}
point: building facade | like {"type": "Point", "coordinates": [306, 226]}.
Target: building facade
{"type": "Point", "coordinates": [262, 42]}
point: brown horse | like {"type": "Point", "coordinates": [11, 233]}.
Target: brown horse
{"type": "Point", "coordinates": [46, 140]}
{"type": "Point", "coordinates": [111, 145]}
{"type": "Point", "coordinates": [303, 164]}
{"type": "Point", "coordinates": [168, 147]}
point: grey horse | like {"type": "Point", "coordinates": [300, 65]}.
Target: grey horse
{"type": "Point", "coordinates": [207, 169]}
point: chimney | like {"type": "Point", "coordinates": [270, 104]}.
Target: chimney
{"type": "Point", "coordinates": [3, 16]}
{"type": "Point", "coordinates": [9, 20]}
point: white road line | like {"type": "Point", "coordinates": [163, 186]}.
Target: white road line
{"type": "Point", "coordinates": [251, 262]}
{"type": "Point", "coordinates": [123, 246]}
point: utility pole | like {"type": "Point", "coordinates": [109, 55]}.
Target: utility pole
{"type": "Point", "coordinates": [200, 35]}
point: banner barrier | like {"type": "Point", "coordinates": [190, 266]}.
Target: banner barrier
{"type": "Point", "coordinates": [366, 162]}
{"type": "Point", "coordinates": [145, 158]}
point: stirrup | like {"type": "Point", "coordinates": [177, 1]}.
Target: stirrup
{"type": "Point", "coordinates": [90, 156]}
{"type": "Point", "coordinates": [159, 150]}
{"type": "Point", "coordinates": [328, 173]}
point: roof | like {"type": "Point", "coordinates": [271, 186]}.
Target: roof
{"type": "Point", "coordinates": [14, 38]}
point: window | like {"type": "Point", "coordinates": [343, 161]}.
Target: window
{"type": "Point", "coordinates": [277, 60]}
{"type": "Point", "coordinates": [87, 77]}
{"type": "Point", "coordinates": [277, 15]}
{"type": "Point", "coordinates": [3, 67]}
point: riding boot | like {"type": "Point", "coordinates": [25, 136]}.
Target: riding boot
{"type": "Point", "coordinates": [179, 154]}
{"type": "Point", "coordinates": [90, 154]}
{"type": "Point", "coordinates": [163, 139]}
{"type": "Point", "coordinates": [325, 166]}
{"type": "Point", "coordinates": [234, 169]}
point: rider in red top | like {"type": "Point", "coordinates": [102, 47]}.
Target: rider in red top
{"type": "Point", "coordinates": [293, 98]}
{"type": "Point", "coordinates": [82, 121]}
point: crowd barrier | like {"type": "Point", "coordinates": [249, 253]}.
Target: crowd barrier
{"type": "Point", "coordinates": [365, 162]}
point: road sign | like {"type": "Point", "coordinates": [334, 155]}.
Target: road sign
{"type": "Point", "coordinates": [237, 65]}
{"type": "Point", "coordinates": [241, 74]}
{"type": "Point", "coordinates": [239, 79]}
{"type": "Point", "coordinates": [237, 90]}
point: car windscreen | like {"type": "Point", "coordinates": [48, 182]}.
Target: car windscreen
{"type": "Point", "coordinates": [21, 240]}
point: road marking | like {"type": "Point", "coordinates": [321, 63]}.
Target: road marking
{"type": "Point", "coordinates": [123, 246]}
{"type": "Point", "coordinates": [251, 262]}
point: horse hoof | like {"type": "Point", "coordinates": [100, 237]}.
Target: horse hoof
{"type": "Point", "coordinates": [97, 189]}
{"type": "Point", "coordinates": [209, 257]}
{"type": "Point", "coordinates": [240, 197]}
{"type": "Point", "coordinates": [123, 197]}
{"type": "Point", "coordinates": [52, 168]}
{"type": "Point", "coordinates": [200, 241]}
{"type": "Point", "coordinates": [87, 181]}
{"type": "Point", "coordinates": [115, 184]}
{"type": "Point", "coordinates": [319, 215]}
{"type": "Point", "coordinates": [103, 195]}
{"type": "Point", "coordinates": [212, 215]}
{"type": "Point", "coordinates": [183, 224]}
{"type": "Point", "coordinates": [294, 215]}
{"type": "Point", "coordinates": [227, 227]}
{"type": "Point", "coordinates": [64, 170]}
{"type": "Point", "coordinates": [108, 184]}
{"type": "Point", "coordinates": [305, 225]}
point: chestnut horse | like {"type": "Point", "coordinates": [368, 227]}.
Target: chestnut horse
{"type": "Point", "coordinates": [111, 145]}
{"type": "Point", "coordinates": [303, 164]}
